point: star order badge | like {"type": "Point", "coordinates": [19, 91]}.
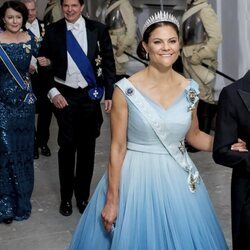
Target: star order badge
{"type": "Point", "coordinates": [95, 93]}
{"type": "Point", "coordinates": [98, 60]}
{"type": "Point", "coordinates": [192, 97]}
{"type": "Point", "coordinates": [193, 180]}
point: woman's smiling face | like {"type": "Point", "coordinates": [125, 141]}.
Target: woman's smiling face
{"type": "Point", "coordinates": [163, 46]}
{"type": "Point", "coordinates": [13, 20]}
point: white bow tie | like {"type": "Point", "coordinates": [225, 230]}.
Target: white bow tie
{"type": "Point", "coordinates": [31, 25]}
{"type": "Point", "coordinates": [73, 26]}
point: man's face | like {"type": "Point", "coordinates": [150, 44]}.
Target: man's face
{"type": "Point", "coordinates": [72, 10]}
{"type": "Point", "coordinates": [32, 11]}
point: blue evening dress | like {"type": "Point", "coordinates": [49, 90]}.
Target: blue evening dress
{"type": "Point", "coordinates": [16, 135]}
{"type": "Point", "coordinates": [160, 207]}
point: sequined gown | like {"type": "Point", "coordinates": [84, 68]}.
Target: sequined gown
{"type": "Point", "coordinates": [163, 202]}
{"type": "Point", "coordinates": [16, 136]}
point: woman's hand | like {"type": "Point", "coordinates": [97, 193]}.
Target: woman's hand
{"type": "Point", "coordinates": [240, 146]}
{"type": "Point", "coordinates": [109, 214]}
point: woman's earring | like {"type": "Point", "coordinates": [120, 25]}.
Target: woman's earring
{"type": "Point", "coordinates": [146, 56]}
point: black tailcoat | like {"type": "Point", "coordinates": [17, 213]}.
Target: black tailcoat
{"type": "Point", "coordinates": [233, 121]}
{"type": "Point", "coordinates": [79, 122]}
{"type": "Point", "coordinates": [54, 47]}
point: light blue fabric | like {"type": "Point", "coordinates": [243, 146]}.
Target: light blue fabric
{"type": "Point", "coordinates": [157, 210]}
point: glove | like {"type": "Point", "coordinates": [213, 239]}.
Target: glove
{"type": "Point", "coordinates": [195, 59]}
{"type": "Point", "coordinates": [120, 49]}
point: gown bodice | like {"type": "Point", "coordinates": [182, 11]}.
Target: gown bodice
{"type": "Point", "coordinates": [176, 119]}
{"type": "Point", "coordinates": [156, 208]}
{"type": "Point", "coordinates": [20, 54]}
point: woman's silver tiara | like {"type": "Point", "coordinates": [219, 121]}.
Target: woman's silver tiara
{"type": "Point", "coordinates": [160, 16]}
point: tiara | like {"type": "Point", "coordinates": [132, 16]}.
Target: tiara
{"type": "Point", "coordinates": [160, 16]}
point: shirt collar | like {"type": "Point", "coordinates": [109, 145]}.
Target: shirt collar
{"type": "Point", "coordinates": [78, 25]}
{"type": "Point", "coordinates": [34, 24]}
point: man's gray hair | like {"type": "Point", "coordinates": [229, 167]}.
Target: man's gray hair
{"type": "Point", "coordinates": [29, 1]}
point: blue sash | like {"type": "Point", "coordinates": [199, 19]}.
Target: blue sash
{"type": "Point", "coordinates": [95, 92]}
{"type": "Point", "coordinates": [177, 151]}
{"type": "Point", "coordinates": [23, 84]}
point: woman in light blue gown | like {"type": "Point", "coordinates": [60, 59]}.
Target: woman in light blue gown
{"type": "Point", "coordinates": [152, 197]}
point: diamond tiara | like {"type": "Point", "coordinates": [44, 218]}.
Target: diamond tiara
{"type": "Point", "coordinates": [160, 16]}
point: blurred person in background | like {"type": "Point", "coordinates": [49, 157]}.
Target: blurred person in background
{"type": "Point", "coordinates": [201, 35]}
{"type": "Point", "coordinates": [53, 12]}
{"type": "Point", "coordinates": [119, 16]}
{"type": "Point", "coordinates": [43, 105]}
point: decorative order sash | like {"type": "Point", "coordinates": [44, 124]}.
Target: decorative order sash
{"type": "Point", "coordinates": [178, 152]}
{"type": "Point", "coordinates": [23, 84]}
{"type": "Point", "coordinates": [95, 92]}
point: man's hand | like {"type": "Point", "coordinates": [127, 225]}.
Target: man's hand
{"type": "Point", "coordinates": [59, 101]}
{"type": "Point", "coordinates": [107, 105]}
{"type": "Point", "coordinates": [43, 61]}
{"type": "Point", "coordinates": [239, 146]}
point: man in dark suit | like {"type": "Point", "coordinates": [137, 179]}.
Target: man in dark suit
{"type": "Point", "coordinates": [73, 45]}
{"type": "Point", "coordinates": [233, 121]}
{"type": "Point", "coordinates": [43, 105]}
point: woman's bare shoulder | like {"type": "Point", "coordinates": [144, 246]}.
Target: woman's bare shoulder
{"type": "Point", "coordinates": [2, 37]}
{"type": "Point", "coordinates": [137, 78]}
{"type": "Point", "coordinates": [182, 80]}
{"type": "Point", "coordinates": [25, 37]}
{"type": "Point", "coordinates": [22, 37]}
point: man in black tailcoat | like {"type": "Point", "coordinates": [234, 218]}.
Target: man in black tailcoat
{"type": "Point", "coordinates": [233, 121]}
{"type": "Point", "coordinates": [76, 95]}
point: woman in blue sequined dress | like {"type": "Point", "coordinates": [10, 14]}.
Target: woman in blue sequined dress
{"type": "Point", "coordinates": [152, 197]}
{"type": "Point", "coordinates": [16, 116]}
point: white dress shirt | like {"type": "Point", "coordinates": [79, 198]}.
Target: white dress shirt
{"type": "Point", "coordinates": [74, 77]}
{"type": "Point", "coordinates": [34, 28]}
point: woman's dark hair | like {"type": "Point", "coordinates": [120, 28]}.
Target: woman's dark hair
{"type": "Point", "coordinates": [80, 1]}
{"type": "Point", "coordinates": [140, 49]}
{"type": "Point", "coordinates": [17, 6]}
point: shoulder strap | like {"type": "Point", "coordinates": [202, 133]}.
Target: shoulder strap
{"type": "Point", "coordinates": [113, 6]}
{"type": "Point", "coordinates": [25, 85]}
{"type": "Point", "coordinates": [192, 11]}
{"type": "Point", "coordinates": [177, 152]}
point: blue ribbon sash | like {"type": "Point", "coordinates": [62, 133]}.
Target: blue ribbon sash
{"type": "Point", "coordinates": [177, 151]}
{"type": "Point", "coordinates": [23, 84]}
{"type": "Point", "coordinates": [95, 92]}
